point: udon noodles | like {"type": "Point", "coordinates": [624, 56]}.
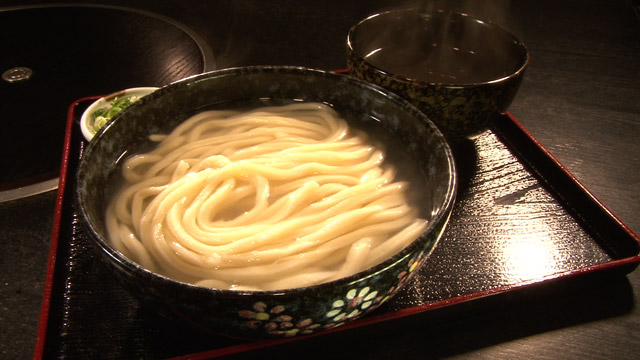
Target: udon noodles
{"type": "Point", "coordinates": [274, 198]}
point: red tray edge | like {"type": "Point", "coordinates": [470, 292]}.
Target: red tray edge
{"type": "Point", "coordinates": [53, 247]}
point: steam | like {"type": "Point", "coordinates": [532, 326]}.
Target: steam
{"type": "Point", "coordinates": [495, 11]}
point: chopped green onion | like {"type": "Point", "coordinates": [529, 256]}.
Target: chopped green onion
{"type": "Point", "coordinates": [102, 116]}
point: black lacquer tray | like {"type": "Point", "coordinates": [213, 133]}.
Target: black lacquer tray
{"type": "Point", "coordinates": [521, 221]}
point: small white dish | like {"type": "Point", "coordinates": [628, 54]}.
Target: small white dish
{"type": "Point", "coordinates": [87, 121]}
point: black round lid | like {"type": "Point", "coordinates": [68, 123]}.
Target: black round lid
{"type": "Point", "coordinates": [54, 55]}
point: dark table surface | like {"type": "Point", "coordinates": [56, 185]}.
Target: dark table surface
{"type": "Point", "coordinates": [580, 99]}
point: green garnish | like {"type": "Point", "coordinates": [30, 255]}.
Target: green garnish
{"type": "Point", "coordinates": [102, 116]}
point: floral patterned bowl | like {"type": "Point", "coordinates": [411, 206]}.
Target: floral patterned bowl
{"type": "Point", "coordinates": [292, 312]}
{"type": "Point", "coordinates": [458, 70]}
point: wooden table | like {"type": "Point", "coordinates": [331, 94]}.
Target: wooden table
{"type": "Point", "coordinates": [580, 99]}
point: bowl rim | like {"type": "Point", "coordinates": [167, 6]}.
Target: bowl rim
{"type": "Point", "coordinates": [353, 52]}
{"type": "Point", "coordinates": [442, 215]}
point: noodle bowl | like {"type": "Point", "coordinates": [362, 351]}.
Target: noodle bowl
{"type": "Point", "coordinates": [240, 201]}
{"type": "Point", "coordinates": [279, 197]}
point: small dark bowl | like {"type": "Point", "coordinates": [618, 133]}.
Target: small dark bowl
{"type": "Point", "coordinates": [458, 70]}
{"type": "Point", "coordinates": [251, 314]}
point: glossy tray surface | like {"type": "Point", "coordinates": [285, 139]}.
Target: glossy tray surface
{"type": "Point", "coordinates": [520, 220]}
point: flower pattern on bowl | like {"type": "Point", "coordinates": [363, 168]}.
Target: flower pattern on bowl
{"type": "Point", "coordinates": [355, 303]}
{"type": "Point", "coordinates": [274, 321]}
{"type": "Point", "coordinates": [404, 275]}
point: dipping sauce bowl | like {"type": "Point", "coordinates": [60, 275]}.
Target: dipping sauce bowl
{"type": "Point", "coordinates": [460, 71]}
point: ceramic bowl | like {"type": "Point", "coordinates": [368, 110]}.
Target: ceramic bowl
{"type": "Point", "coordinates": [291, 312]}
{"type": "Point", "coordinates": [459, 70]}
{"type": "Point", "coordinates": [87, 120]}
